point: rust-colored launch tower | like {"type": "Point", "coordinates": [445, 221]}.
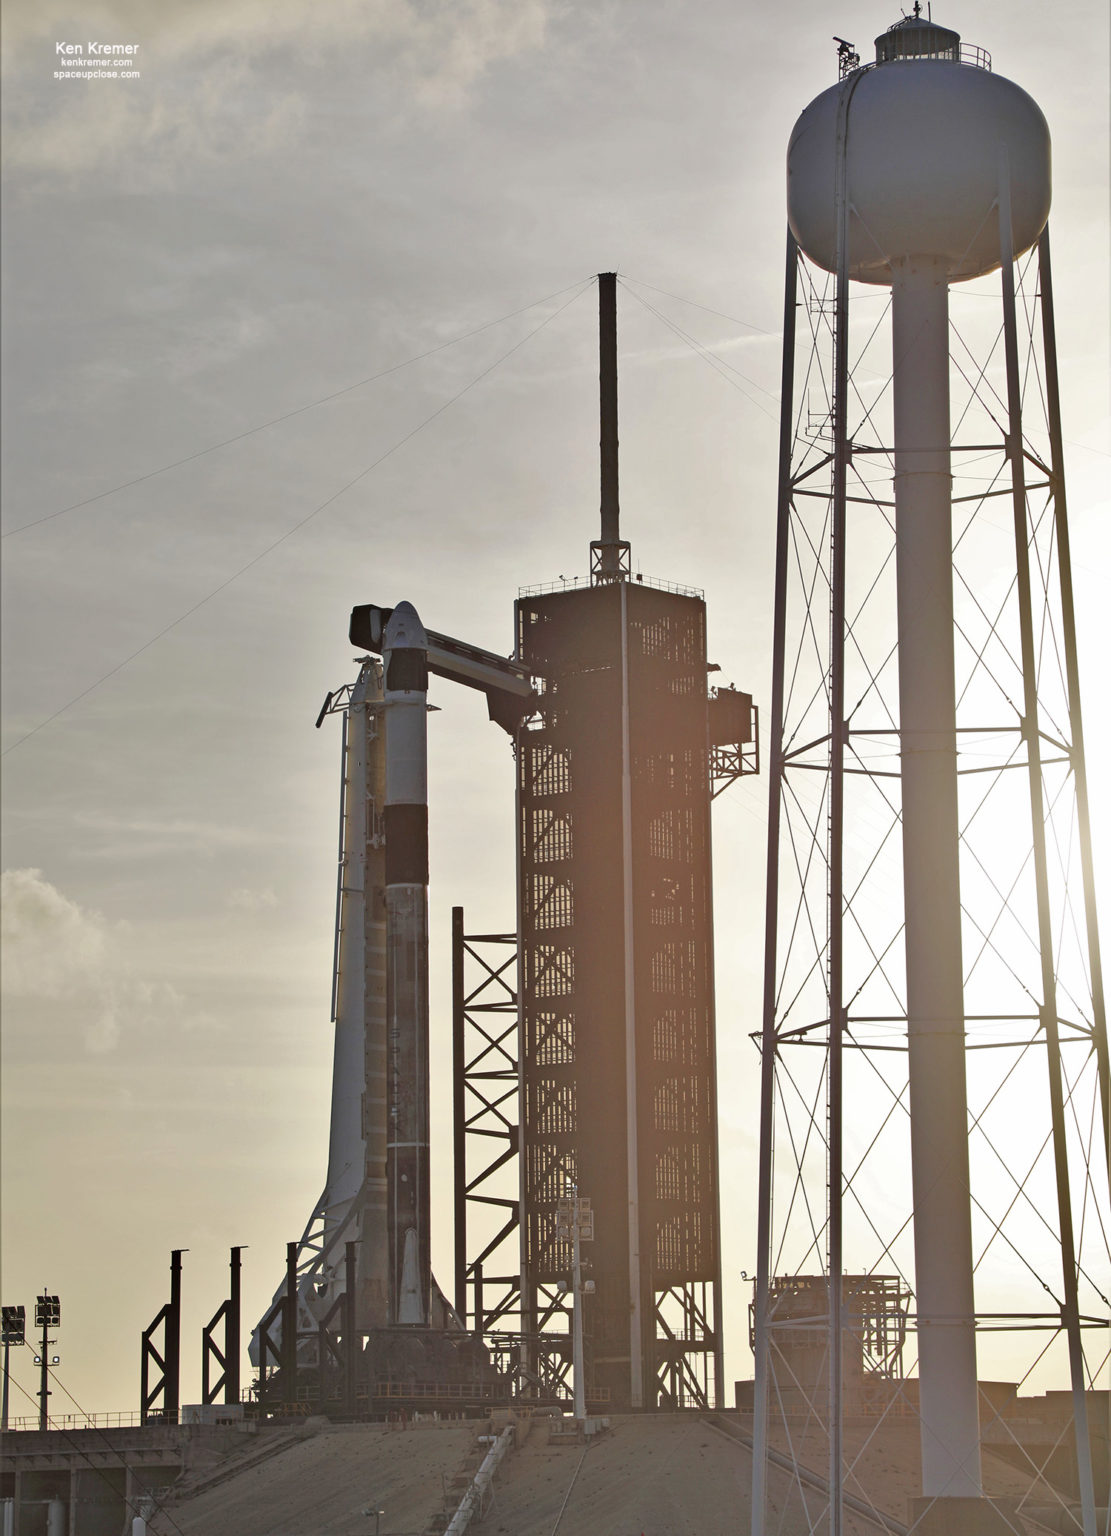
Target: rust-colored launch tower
{"type": "Point", "coordinates": [614, 772]}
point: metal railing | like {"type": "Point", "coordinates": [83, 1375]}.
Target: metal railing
{"type": "Point", "coordinates": [70, 1421]}
{"type": "Point", "coordinates": [970, 54]}
{"type": "Point", "coordinates": [579, 583]}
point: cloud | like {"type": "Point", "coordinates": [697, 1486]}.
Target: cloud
{"type": "Point", "coordinates": [208, 70]}
{"type": "Point", "coordinates": [246, 900]}
{"type": "Point", "coordinates": [55, 951]}
{"type": "Point", "coordinates": [156, 837]}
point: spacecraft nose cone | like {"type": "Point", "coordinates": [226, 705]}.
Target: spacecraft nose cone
{"type": "Point", "coordinates": [404, 630]}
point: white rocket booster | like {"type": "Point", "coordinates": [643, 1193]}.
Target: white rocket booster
{"type": "Point", "coordinates": [377, 1189]}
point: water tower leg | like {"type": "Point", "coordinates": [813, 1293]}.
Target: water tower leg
{"type": "Point", "coordinates": [935, 994]}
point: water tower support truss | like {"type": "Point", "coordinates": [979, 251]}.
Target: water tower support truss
{"type": "Point", "coordinates": [835, 1159]}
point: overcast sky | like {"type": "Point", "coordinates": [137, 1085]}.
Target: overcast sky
{"type": "Point", "coordinates": [291, 199]}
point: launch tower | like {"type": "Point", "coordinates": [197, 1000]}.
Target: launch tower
{"type": "Point", "coordinates": [619, 1089]}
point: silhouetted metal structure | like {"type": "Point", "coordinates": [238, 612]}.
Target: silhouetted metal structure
{"type": "Point", "coordinates": [225, 1354]}
{"type": "Point", "coordinates": [339, 1340]}
{"type": "Point", "coordinates": [934, 1048]}
{"type": "Point", "coordinates": [167, 1359]}
{"type": "Point", "coordinates": [618, 1057]}
{"type": "Point", "coordinates": [276, 1338]}
{"type": "Point", "coordinates": [486, 1078]}
{"type": "Point", "coordinates": [48, 1314]}
{"type": "Point", "coordinates": [619, 1095]}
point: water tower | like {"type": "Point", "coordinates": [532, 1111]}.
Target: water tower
{"type": "Point", "coordinates": [930, 892]}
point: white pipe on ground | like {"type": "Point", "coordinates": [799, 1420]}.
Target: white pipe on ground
{"type": "Point", "coordinates": [471, 1503]}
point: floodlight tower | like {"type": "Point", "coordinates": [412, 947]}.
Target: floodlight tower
{"type": "Point", "coordinates": [920, 171]}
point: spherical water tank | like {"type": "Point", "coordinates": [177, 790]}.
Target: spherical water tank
{"type": "Point", "coordinates": [926, 139]}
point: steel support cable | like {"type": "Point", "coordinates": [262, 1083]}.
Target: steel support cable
{"type": "Point", "coordinates": [850, 911]}
{"type": "Point", "coordinates": [1098, 1369]}
{"type": "Point", "coordinates": [798, 1180]}
{"type": "Point", "coordinates": [1031, 302]}
{"type": "Point", "coordinates": [1089, 1184]}
{"type": "Point", "coordinates": [801, 655]}
{"type": "Point", "coordinates": [896, 1104]}
{"type": "Point", "coordinates": [1086, 1145]}
{"type": "Point", "coordinates": [1048, 617]}
{"type": "Point", "coordinates": [701, 347]}
{"type": "Point", "coordinates": [288, 415]}
{"type": "Point", "coordinates": [1044, 560]}
{"type": "Point", "coordinates": [1018, 1253]}
{"type": "Point", "coordinates": [1019, 1194]}
{"type": "Point", "coordinates": [891, 1091]}
{"type": "Point", "coordinates": [803, 906]}
{"type": "Point", "coordinates": [812, 1420]}
{"type": "Point", "coordinates": [897, 817]}
{"type": "Point", "coordinates": [877, 959]}
{"type": "Point", "coordinates": [816, 849]}
{"type": "Point", "coordinates": [1068, 880]}
{"type": "Point", "coordinates": [981, 656]}
{"type": "Point", "coordinates": [887, 1250]}
{"type": "Point", "coordinates": [975, 396]}
{"type": "Point", "coordinates": [1006, 908]}
{"type": "Point", "coordinates": [1044, 556]}
{"type": "Point", "coordinates": [719, 365]}
{"type": "Point", "coordinates": [1080, 1269]}
{"type": "Point", "coordinates": [250, 564]}
{"type": "Point", "coordinates": [816, 356]}
{"type": "Point", "coordinates": [801, 444]}
{"type": "Point", "coordinates": [894, 939]}
{"type": "Point", "coordinates": [1040, 1473]}
{"type": "Point", "coordinates": [862, 353]}
{"type": "Point", "coordinates": [733, 320]}
{"type": "Point", "coordinates": [808, 629]}
{"type": "Point", "coordinates": [975, 510]}
{"type": "Point", "coordinates": [980, 662]}
{"type": "Point", "coordinates": [873, 677]}
{"type": "Point", "coordinates": [870, 499]}
{"type": "Point", "coordinates": [100, 1471]}
{"type": "Point", "coordinates": [866, 419]}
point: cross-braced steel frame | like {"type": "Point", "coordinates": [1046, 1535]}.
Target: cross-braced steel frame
{"type": "Point", "coordinates": [536, 1363]}
{"type": "Point", "coordinates": [487, 1120]}
{"type": "Point", "coordinates": [834, 1148]}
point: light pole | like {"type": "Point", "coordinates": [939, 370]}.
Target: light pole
{"type": "Point", "coordinates": [14, 1332]}
{"type": "Point", "coordinates": [575, 1220]}
{"type": "Point", "coordinates": [48, 1314]}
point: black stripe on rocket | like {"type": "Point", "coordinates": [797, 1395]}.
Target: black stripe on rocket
{"type": "Point", "coordinates": [405, 654]}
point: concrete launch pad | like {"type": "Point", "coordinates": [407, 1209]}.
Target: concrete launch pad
{"type": "Point", "coordinates": [681, 1474]}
